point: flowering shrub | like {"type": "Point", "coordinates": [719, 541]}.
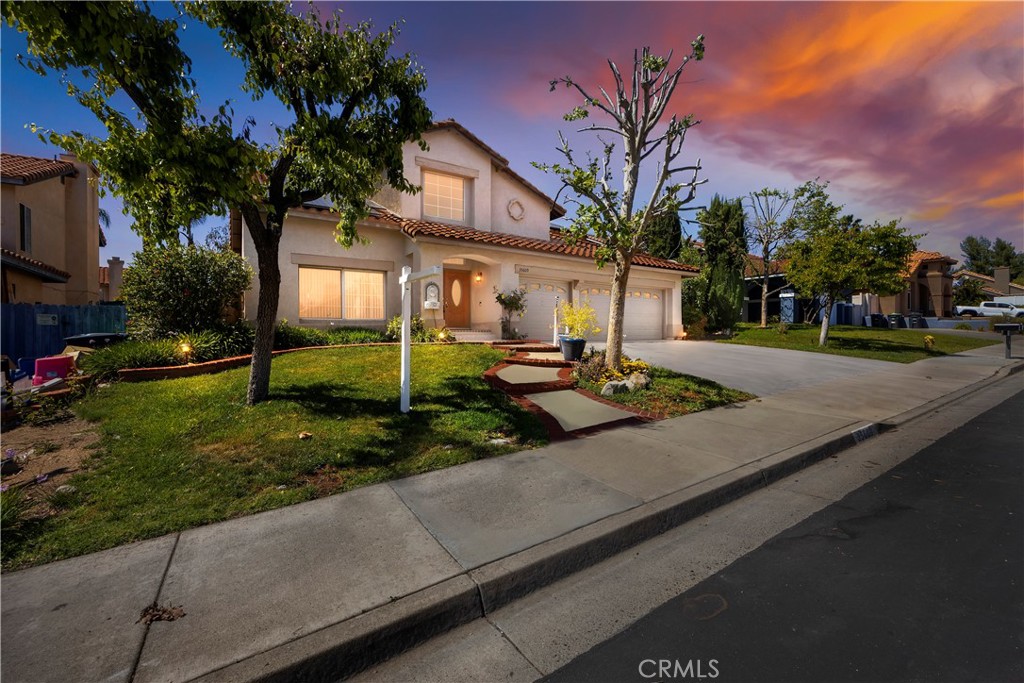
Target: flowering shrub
{"type": "Point", "coordinates": [591, 368]}
{"type": "Point", "coordinates": [579, 320]}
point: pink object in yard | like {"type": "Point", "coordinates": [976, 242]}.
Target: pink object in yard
{"type": "Point", "coordinates": [51, 367]}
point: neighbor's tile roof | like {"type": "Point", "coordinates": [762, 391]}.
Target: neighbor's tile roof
{"type": "Point", "coordinates": [780, 266]}
{"type": "Point", "coordinates": [919, 257]}
{"type": "Point", "coordinates": [417, 228]}
{"type": "Point", "coordinates": [22, 262]}
{"type": "Point", "coordinates": [23, 170]}
{"type": "Point", "coordinates": [985, 279]}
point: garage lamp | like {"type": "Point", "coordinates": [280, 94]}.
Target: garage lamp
{"type": "Point", "coordinates": [480, 276]}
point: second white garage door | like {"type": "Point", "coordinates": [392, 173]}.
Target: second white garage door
{"type": "Point", "coordinates": [643, 317]}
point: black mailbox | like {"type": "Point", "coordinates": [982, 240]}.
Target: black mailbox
{"type": "Point", "coordinates": [1008, 330]}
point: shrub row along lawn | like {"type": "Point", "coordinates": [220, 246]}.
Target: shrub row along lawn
{"type": "Point", "coordinates": [673, 394]}
{"type": "Point", "coordinates": [180, 453]}
{"type": "Point", "coordinates": [899, 346]}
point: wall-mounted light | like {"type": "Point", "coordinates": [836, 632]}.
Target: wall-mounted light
{"type": "Point", "coordinates": [480, 276]}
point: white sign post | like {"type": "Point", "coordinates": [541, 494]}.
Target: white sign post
{"type": "Point", "coordinates": [554, 324]}
{"type": "Point", "coordinates": [406, 280]}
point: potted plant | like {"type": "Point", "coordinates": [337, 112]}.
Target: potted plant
{"type": "Point", "coordinates": [513, 303]}
{"type": "Point", "coordinates": [579, 321]}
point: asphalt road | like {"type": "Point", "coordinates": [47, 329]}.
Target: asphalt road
{"type": "Point", "coordinates": [916, 576]}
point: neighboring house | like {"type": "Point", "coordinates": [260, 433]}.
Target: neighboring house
{"type": "Point", "coordinates": [49, 230]}
{"type": "Point", "coordinates": [111, 276]}
{"type": "Point", "coordinates": [777, 286]}
{"type": "Point", "coordinates": [485, 225]}
{"type": "Point", "coordinates": [929, 289]}
{"type": "Point", "coordinates": [992, 287]}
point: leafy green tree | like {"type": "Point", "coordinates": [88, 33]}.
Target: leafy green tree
{"type": "Point", "coordinates": [176, 289]}
{"type": "Point", "coordinates": [838, 253]}
{"type": "Point", "coordinates": [352, 107]}
{"type": "Point", "coordinates": [725, 252]}
{"type": "Point", "coordinates": [769, 230]}
{"type": "Point", "coordinates": [983, 256]}
{"type": "Point", "coordinates": [968, 292]}
{"type": "Point", "coordinates": [617, 217]}
{"type": "Point", "coordinates": [665, 237]}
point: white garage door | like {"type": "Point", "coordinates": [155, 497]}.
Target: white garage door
{"type": "Point", "coordinates": [540, 305]}
{"type": "Point", "coordinates": [643, 317]}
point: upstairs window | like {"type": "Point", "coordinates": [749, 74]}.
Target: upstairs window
{"type": "Point", "coordinates": [444, 196]}
{"type": "Point", "coordinates": [25, 220]}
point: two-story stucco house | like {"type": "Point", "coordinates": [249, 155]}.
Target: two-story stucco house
{"type": "Point", "coordinates": [485, 225]}
{"type": "Point", "coordinates": [49, 230]}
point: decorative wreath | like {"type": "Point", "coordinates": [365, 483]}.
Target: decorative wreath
{"type": "Point", "coordinates": [516, 210]}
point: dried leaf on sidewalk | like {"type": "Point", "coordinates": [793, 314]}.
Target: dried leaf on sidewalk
{"type": "Point", "coordinates": [157, 613]}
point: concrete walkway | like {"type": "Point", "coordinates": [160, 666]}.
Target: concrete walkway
{"type": "Point", "coordinates": [320, 590]}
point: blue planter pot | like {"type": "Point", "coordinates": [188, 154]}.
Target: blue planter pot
{"type": "Point", "coordinates": [572, 349]}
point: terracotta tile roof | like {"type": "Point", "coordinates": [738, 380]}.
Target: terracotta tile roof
{"type": "Point", "coordinates": [1015, 289]}
{"type": "Point", "coordinates": [779, 268]}
{"type": "Point", "coordinates": [17, 169]}
{"type": "Point", "coordinates": [417, 228]}
{"type": "Point", "coordinates": [557, 211]}
{"type": "Point", "coordinates": [31, 265]}
{"type": "Point", "coordinates": [919, 257]}
{"type": "Point", "coordinates": [104, 275]}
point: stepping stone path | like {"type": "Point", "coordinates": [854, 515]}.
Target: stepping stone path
{"type": "Point", "coordinates": [538, 378]}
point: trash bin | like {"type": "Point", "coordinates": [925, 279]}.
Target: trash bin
{"type": "Point", "coordinates": [914, 320]}
{"type": "Point", "coordinates": [879, 320]}
{"type": "Point", "coordinates": [95, 339]}
{"type": "Point", "coordinates": [896, 320]}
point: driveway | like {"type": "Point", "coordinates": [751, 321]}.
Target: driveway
{"type": "Point", "coordinates": [759, 370]}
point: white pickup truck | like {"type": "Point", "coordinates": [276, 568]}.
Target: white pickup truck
{"type": "Point", "coordinates": [990, 308]}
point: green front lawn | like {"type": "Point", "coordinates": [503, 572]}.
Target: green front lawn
{"type": "Point", "coordinates": [900, 346]}
{"type": "Point", "coordinates": [674, 394]}
{"type": "Point", "coordinates": [180, 453]}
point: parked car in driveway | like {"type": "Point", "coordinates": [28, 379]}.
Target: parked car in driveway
{"type": "Point", "coordinates": [990, 308]}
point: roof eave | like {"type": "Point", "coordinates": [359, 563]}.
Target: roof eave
{"type": "Point", "coordinates": [42, 273]}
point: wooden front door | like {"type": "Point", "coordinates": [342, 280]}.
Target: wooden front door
{"type": "Point", "coordinates": [456, 298]}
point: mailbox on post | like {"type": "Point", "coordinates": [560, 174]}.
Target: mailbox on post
{"type": "Point", "coordinates": [1008, 330]}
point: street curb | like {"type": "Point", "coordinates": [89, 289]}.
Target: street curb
{"type": "Point", "coordinates": [353, 645]}
{"type": "Point", "coordinates": [345, 648]}
{"type": "Point", "coordinates": [914, 413]}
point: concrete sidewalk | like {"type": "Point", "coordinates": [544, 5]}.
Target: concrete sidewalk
{"type": "Point", "coordinates": [319, 590]}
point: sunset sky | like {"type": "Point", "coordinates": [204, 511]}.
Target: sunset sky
{"type": "Point", "coordinates": [909, 109]}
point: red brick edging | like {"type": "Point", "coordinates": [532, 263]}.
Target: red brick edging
{"type": "Point", "coordinates": [192, 369]}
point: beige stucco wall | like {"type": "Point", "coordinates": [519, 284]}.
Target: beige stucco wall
{"type": "Point", "coordinates": [65, 234]}
{"type": "Point", "coordinates": [308, 239]}
{"type": "Point", "coordinates": [537, 212]}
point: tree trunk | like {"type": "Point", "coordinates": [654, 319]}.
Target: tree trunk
{"type": "Point", "coordinates": [764, 301]}
{"type": "Point", "coordinates": [267, 243]}
{"type": "Point", "coordinates": [616, 314]}
{"type": "Point", "coordinates": [826, 314]}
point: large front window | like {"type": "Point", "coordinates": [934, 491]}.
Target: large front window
{"type": "Point", "coordinates": [330, 293]}
{"type": "Point", "coordinates": [444, 196]}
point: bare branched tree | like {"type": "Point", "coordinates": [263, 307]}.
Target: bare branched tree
{"type": "Point", "coordinates": [616, 218]}
{"type": "Point", "coordinates": [769, 229]}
